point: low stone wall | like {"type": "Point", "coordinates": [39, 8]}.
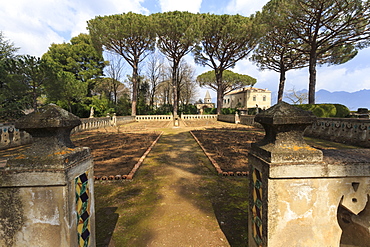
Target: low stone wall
{"type": "Point", "coordinates": [123, 120]}
{"type": "Point", "coordinates": [247, 120]}
{"type": "Point", "coordinates": [343, 130]}
{"type": "Point", "coordinates": [193, 117]}
{"type": "Point", "coordinates": [12, 137]}
{"type": "Point", "coordinates": [226, 118]}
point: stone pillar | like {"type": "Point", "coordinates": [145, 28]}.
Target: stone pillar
{"type": "Point", "coordinates": [298, 194]}
{"type": "Point", "coordinates": [237, 118]}
{"type": "Point", "coordinates": [47, 192]}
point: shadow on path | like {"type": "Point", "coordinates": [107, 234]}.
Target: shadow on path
{"type": "Point", "coordinates": [176, 199]}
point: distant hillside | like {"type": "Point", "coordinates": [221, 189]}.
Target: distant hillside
{"type": "Point", "coordinates": [355, 100]}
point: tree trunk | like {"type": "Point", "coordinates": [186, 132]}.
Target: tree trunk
{"type": "Point", "coordinates": [281, 85]}
{"type": "Point", "coordinates": [312, 80]}
{"type": "Point", "coordinates": [34, 99]}
{"type": "Point", "coordinates": [175, 89]}
{"type": "Point", "coordinates": [135, 76]}
{"type": "Point", "coordinates": [219, 91]}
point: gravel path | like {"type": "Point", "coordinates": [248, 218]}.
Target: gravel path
{"type": "Point", "coordinates": [180, 218]}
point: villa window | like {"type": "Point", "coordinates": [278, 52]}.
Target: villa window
{"type": "Point", "coordinates": [254, 98]}
{"type": "Point", "coordinates": [264, 98]}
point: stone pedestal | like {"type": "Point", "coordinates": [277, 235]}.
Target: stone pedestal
{"type": "Point", "coordinates": [300, 197]}
{"type": "Point", "coordinates": [47, 191]}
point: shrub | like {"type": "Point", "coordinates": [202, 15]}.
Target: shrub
{"type": "Point", "coordinates": [326, 110]}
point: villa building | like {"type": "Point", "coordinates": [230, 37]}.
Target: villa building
{"type": "Point", "coordinates": [248, 97]}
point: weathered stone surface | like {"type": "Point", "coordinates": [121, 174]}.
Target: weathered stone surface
{"type": "Point", "coordinates": [45, 190]}
{"type": "Point", "coordinates": [52, 147]}
{"type": "Point", "coordinates": [283, 143]}
{"type": "Point", "coordinates": [300, 197]}
{"type": "Point", "coordinates": [11, 215]}
{"type": "Point", "coordinates": [50, 128]}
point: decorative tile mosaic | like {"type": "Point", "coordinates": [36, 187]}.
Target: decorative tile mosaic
{"type": "Point", "coordinates": [257, 207]}
{"type": "Point", "coordinates": [82, 209]}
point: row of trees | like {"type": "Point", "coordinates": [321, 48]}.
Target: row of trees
{"type": "Point", "coordinates": [307, 33]}
{"type": "Point", "coordinates": [71, 75]}
{"type": "Point", "coordinates": [216, 41]}
{"type": "Point", "coordinates": [66, 74]}
{"type": "Point", "coordinates": [285, 35]}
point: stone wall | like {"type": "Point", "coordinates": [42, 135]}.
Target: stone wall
{"type": "Point", "coordinates": [355, 131]}
{"type": "Point", "coordinates": [344, 130]}
{"type": "Point", "coordinates": [226, 118]}
{"type": "Point", "coordinates": [247, 120]}
{"type": "Point", "coordinates": [12, 137]}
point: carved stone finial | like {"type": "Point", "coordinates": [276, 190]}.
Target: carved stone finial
{"type": "Point", "coordinates": [50, 128]}
{"type": "Point", "coordinates": [52, 148]}
{"type": "Point", "coordinates": [283, 142]}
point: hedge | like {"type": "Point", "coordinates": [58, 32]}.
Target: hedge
{"type": "Point", "coordinates": [326, 110]}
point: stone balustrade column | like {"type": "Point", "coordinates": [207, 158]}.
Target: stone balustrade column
{"type": "Point", "coordinates": [46, 193]}
{"type": "Point", "coordinates": [301, 196]}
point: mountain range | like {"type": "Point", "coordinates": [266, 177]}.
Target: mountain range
{"type": "Point", "coordinates": [355, 100]}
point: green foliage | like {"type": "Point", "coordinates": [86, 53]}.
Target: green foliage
{"type": "Point", "coordinates": [210, 111]}
{"type": "Point", "coordinates": [77, 66]}
{"type": "Point", "coordinates": [101, 105]}
{"type": "Point", "coordinates": [177, 33]}
{"type": "Point", "coordinates": [230, 80]}
{"type": "Point", "coordinates": [79, 58]}
{"type": "Point", "coordinates": [129, 35]}
{"type": "Point", "coordinates": [188, 109]}
{"type": "Point", "coordinates": [328, 31]}
{"type": "Point", "coordinates": [226, 39]}
{"type": "Point", "coordinates": [279, 50]}
{"type": "Point", "coordinates": [253, 110]}
{"type": "Point", "coordinates": [326, 110]}
{"type": "Point", "coordinates": [7, 49]}
{"type": "Point", "coordinates": [224, 111]}
{"type": "Point", "coordinates": [33, 74]}
{"type": "Point", "coordinates": [165, 109]}
{"type": "Point", "coordinates": [123, 106]}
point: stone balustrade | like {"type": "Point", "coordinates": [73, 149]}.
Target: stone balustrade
{"type": "Point", "coordinates": [12, 137]}
{"type": "Point", "coordinates": [154, 118]}
{"type": "Point", "coordinates": [195, 117]}
{"type": "Point", "coordinates": [354, 131]}
{"type": "Point", "coordinates": [93, 123]}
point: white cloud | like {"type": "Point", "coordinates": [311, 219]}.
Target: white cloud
{"type": "Point", "coordinates": [245, 7]}
{"type": "Point", "coordinates": [34, 25]}
{"type": "Point", "coordinates": [188, 5]}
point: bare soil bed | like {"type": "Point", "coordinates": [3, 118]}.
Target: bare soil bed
{"type": "Point", "coordinates": [117, 150]}
{"type": "Point", "coordinates": [115, 153]}
{"type": "Point", "coordinates": [229, 147]}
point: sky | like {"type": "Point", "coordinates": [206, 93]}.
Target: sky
{"type": "Point", "coordinates": [34, 25]}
